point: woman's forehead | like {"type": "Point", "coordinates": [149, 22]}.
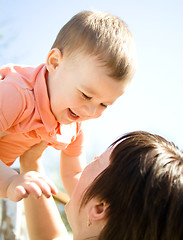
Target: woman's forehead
{"type": "Point", "coordinates": [105, 156]}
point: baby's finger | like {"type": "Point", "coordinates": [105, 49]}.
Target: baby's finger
{"type": "Point", "coordinates": [20, 190]}
{"type": "Point", "coordinates": [33, 189]}
{"type": "Point", "coordinates": [52, 186]}
{"type": "Point", "coordinates": [20, 193]}
{"type": "Point", "coordinates": [44, 186]}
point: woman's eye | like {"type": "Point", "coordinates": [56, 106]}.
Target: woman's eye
{"type": "Point", "coordinates": [86, 96]}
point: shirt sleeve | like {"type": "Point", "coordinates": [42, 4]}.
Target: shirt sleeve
{"type": "Point", "coordinates": [76, 147]}
{"type": "Point", "coordinates": [11, 105]}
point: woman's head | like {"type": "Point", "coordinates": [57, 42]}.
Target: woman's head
{"type": "Point", "coordinates": [139, 189]}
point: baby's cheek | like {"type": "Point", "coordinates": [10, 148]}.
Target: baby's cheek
{"type": "Point", "coordinates": [98, 114]}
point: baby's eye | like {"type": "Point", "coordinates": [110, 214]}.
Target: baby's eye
{"type": "Point", "coordinates": [103, 105]}
{"type": "Point", "coordinates": [86, 96]}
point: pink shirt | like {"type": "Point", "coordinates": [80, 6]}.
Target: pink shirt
{"type": "Point", "coordinates": [26, 116]}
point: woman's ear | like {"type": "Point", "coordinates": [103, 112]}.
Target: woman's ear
{"type": "Point", "coordinates": [97, 210]}
{"type": "Point", "coordinates": [53, 60]}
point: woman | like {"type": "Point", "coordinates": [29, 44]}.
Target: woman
{"type": "Point", "coordinates": [133, 191]}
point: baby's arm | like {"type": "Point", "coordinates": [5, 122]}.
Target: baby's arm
{"type": "Point", "coordinates": [6, 176]}
{"type": "Point", "coordinates": [18, 186]}
{"type": "Point", "coordinates": [70, 170]}
{"type": "Point", "coordinates": [42, 216]}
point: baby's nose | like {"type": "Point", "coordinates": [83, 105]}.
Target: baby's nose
{"type": "Point", "coordinates": [90, 111]}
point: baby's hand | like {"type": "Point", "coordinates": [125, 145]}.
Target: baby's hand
{"type": "Point", "coordinates": [29, 183]}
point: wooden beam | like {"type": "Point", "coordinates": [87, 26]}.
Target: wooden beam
{"type": "Point", "coordinates": [61, 197]}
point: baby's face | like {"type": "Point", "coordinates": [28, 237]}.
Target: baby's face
{"type": "Point", "coordinates": [80, 89]}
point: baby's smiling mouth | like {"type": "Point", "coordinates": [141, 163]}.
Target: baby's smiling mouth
{"type": "Point", "coordinates": [73, 114]}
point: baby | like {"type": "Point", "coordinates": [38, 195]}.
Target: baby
{"type": "Point", "coordinates": [90, 65]}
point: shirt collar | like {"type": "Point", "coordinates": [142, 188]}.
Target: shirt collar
{"type": "Point", "coordinates": [42, 100]}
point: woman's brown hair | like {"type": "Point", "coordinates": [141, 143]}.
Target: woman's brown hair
{"type": "Point", "coordinates": [143, 186]}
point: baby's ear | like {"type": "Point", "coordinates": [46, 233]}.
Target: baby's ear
{"type": "Point", "coordinates": [97, 210]}
{"type": "Point", "coordinates": [53, 59]}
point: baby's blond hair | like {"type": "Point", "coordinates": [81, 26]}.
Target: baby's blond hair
{"type": "Point", "coordinates": [102, 35]}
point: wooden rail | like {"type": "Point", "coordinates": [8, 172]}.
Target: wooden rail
{"type": "Point", "coordinates": [61, 197]}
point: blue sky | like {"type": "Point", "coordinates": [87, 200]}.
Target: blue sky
{"type": "Point", "coordinates": [153, 101]}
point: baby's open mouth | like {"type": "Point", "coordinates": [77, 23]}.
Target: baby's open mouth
{"type": "Point", "coordinates": [73, 114]}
